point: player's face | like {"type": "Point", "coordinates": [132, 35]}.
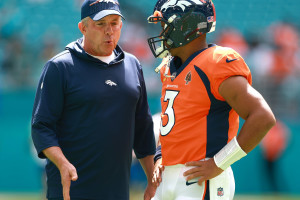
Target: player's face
{"type": "Point", "coordinates": [101, 37]}
{"type": "Point", "coordinates": [176, 51]}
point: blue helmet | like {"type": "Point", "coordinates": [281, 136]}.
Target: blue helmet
{"type": "Point", "coordinates": [183, 21]}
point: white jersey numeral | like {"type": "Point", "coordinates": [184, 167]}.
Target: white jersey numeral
{"type": "Point", "coordinates": [170, 97]}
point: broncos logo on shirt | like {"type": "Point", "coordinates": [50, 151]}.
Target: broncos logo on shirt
{"type": "Point", "coordinates": [196, 120]}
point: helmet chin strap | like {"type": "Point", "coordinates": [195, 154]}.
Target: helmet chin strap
{"type": "Point", "coordinates": [163, 52]}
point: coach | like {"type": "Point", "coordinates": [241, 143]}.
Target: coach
{"type": "Point", "coordinates": [91, 110]}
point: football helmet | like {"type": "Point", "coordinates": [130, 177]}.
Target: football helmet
{"type": "Point", "coordinates": [182, 21]}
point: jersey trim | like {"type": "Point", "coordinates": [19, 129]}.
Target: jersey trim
{"type": "Point", "coordinates": [219, 112]}
{"type": "Point", "coordinates": [207, 196]}
{"type": "Point", "coordinates": [187, 62]}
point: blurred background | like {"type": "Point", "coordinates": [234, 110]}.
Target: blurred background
{"type": "Point", "coordinates": [264, 32]}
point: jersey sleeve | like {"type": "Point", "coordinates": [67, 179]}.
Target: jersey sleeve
{"type": "Point", "coordinates": [47, 109]}
{"type": "Point", "coordinates": [144, 142]}
{"type": "Point", "coordinates": [227, 65]}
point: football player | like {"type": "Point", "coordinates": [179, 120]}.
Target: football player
{"type": "Point", "coordinates": [205, 89]}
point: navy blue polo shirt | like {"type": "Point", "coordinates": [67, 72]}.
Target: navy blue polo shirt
{"type": "Point", "coordinates": [96, 113]}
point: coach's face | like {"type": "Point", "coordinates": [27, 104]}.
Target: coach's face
{"type": "Point", "coordinates": [101, 37]}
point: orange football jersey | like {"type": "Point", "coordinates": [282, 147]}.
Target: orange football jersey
{"type": "Point", "coordinates": [196, 120]}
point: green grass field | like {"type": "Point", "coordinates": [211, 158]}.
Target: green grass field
{"type": "Point", "coordinates": [137, 195]}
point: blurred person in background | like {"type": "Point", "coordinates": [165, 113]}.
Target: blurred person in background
{"type": "Point", "coordinates": [277, 76]}
{"type": "Point", "coordinates": [16, 65]}
{"type": "Point", "coordinates": [205, 88]}
{"type": "Point", "coordinates": [91, 110]}
{"type": "Point", "coordinates": [230, 37]}
{"type": "Point", "coordinates": [286, 41]}
{"type": "Point", "coordinates": [285, 69]}
{"type": "Point", "coordinates": [273, 147]}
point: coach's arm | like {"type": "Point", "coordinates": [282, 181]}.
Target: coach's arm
{"type": "Point", "coordinates": [147, 164]}
{"type": "Point", "coordinates": [67, 170]}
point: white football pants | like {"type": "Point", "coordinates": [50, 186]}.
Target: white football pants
{"type": "Point", "coordinates": [175, 187]}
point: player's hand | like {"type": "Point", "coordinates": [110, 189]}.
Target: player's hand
{"type": "Point", "coordinates": [68, 173]}
{"type": "Point", "coordinates": [205, 169]}
{"type": "Point", "coordinates": [158, 169]}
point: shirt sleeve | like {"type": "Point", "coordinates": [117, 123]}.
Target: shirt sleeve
{"type": "Point", "coordinates": [47, 109]}
{"type": "Point", "coordinates": [231, 64]}
{"type": "Point", "coordinates": [144, 142]}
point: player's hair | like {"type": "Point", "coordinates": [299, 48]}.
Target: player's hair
{"type": "Point", "coordinates": [85, 21]}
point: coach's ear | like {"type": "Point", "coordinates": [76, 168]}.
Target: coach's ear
{"type": "Point", "coordinates": [82, 27]}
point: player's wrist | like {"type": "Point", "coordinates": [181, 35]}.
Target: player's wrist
{"type": "Point", "coordinates": [229, 154]}
{"type": "Point", "coordinates": [157, 155]}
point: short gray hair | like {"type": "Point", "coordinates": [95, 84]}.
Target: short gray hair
{"type": "Point", "coordinates": [85, 21]}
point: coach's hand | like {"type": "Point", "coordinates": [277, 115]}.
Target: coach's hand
{"type": "Point", "coordinates": [149, 192]}
{"type": "Point", "coordinates": [158, 169]}
{"type": "Point", "coordinates": [205, 169]}
{"type": "Point", "coordinates": [68, 173]}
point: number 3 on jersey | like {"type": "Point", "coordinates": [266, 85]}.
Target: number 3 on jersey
{"type": "Point", "coordinates": [170, 97]}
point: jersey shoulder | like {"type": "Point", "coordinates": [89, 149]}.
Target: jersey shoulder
{"type": "Point", "coordinates": [220, 54]}
{"type": "Point", "coordinates": [222, 60]}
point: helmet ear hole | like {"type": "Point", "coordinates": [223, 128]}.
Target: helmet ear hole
{"type": "Point", "coordinates": [169, 42]}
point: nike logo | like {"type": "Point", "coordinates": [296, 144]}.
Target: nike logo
{"type": "Point", "coordinates": [228, 61]}
{"type": "Point", "coordinates": [190, 183]}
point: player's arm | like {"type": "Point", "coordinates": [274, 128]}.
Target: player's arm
{"type": "Point", "coordinates": [67, 170]}
{"type": "Point", "coordinates": [147, 164]}
{"type": "Point", "coordinates": [251, 106]}
{"type": "Point", "coordinates": [259, 119]}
